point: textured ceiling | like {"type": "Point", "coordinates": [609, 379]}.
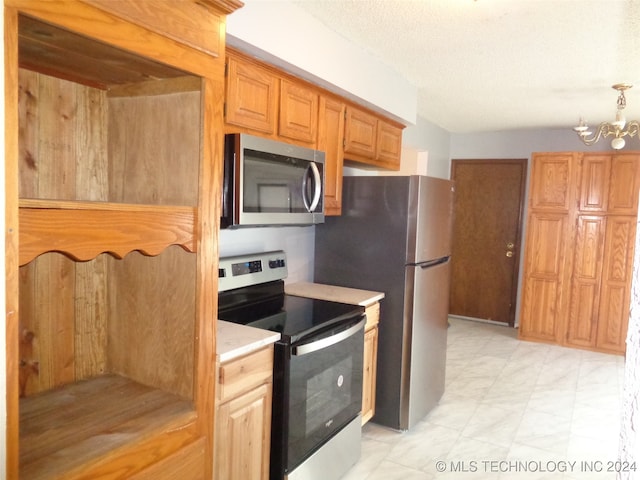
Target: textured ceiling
{"type": "Point", "coordinates": [484, 65]}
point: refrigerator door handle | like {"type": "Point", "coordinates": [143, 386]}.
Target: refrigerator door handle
{"type": "Point", "coordinates": [432, 263]}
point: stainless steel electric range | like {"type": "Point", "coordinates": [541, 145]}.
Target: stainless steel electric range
{"type": "Point", "coordinates": [317, 390]}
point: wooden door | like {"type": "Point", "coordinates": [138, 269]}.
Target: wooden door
{"type": "Point", "coordinates": [330, 139]}
{"type": "Point", "coordinates": [389, 145]}
{"type": "Point", "coordinates": [616, 283]}
{"type": "Point", "coordinates": [251, 96]}
{"type": "Point", "coordinates": [298, 112]}
{"type": "Point", "coordinates": [486, 238]}
{"type": "Point", "coordinates": [545, 274]}
{"type": "Point", "coordinates": [585, 284]}
{"type": "Point", "coordinates": [244, 436]}
{"type": "Point", "coordinates": [360, 132]}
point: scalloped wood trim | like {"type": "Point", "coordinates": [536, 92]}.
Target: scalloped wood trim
{"type": "Point", "coordinates": [84, 230]}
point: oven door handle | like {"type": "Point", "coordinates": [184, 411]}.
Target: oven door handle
{"type": "Point", "coordinates": [327, 342]}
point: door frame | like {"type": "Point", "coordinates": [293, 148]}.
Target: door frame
{"type": "Point", "coordinates": [515, 287]}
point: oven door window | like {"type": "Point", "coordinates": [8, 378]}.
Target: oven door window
{"type": "Point", "coordinates": [325, 394]}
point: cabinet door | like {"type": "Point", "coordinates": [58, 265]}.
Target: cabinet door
{"type": "Point", "coordinates": [616, 283]}
{"type": "Point", "coordinates": [369, 375]}
{"type": "Point", "coordinates": [585, 284]}
{"type": "Point", "coordinates": [298, 112]}
{"type": "Point", "coordinates": [544, 273]}
{"type": "Point", "coordinates": [360, 133]}
{"type": "Point", "coordinates": [594, 183]}
{"type": "Point", "coordinates": [623, 190]}
{"type": "Point", "coordinates": [330, 138]}
{"type": "Point", "coordinates": [389, 144]}
{"type": "Point", "coordinates": [244, 435]}
{"type": "Point", "coordinates": [552, 180]}
{"type": "Point", "coordinates": [251, 96]}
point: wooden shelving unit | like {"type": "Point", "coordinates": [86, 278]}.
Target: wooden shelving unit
{"type": "Point", "coordinates": [114, 138]}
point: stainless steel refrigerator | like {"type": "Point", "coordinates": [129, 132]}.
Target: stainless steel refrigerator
{"type": "Point", "coordinates": [394, 236]}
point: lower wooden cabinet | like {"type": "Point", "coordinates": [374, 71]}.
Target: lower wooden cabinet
{"type": "Point", "coordinates": [243, 417]}
{"type": "Point", "coordinates": [370, 362]}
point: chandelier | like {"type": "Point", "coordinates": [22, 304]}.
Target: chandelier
{"type": "Point", "coordinates": [619, 129]}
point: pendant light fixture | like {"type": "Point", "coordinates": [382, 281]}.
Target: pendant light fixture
{"type": "Point", "coordinates": [619, 128]}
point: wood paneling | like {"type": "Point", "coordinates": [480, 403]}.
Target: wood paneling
{"type": "Point", "coordinates": [194, 23]}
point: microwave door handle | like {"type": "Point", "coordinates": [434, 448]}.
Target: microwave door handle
{"type": "Point", "coordinates": [305, 179]}
{"type": "Point", "coordinates": [317, 190]}
{"type": "Point", "coordinates": [317, 183]}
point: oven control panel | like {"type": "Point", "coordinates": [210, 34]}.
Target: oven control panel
{"type": "Point", "coordinates": [251, 269]}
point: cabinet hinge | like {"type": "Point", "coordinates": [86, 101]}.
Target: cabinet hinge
{"type": "Point", "coordinates": [224, 109]}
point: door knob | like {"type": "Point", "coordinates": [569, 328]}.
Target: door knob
{"type": "Point", "coordinates": [509, 254]}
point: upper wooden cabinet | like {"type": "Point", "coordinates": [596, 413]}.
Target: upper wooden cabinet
{"type": "Point", "coordinates": [371, 140]}
{"type": "Point", "coordinates": [360, 133]}
{"type": "Point", "coordinates": [624, 184]}
{"type": "Point", "coordinates": [389, 146]}
{"type": "Point", "coordinates": [330, 128]}
{"type": "Point", "coordinates": [594, 183]}
{"type": "Point", "coordinates": [251, 96]}
{"type": "Point", "coordinates": [262, 100]}
{"type": "Point", "coordinates": [298, 112]}
{"type": "Point", "coordinates": [552, 181]}
{"type": "Point", "coordinates": [609, 183]}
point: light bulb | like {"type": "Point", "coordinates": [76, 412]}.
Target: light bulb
{"type": "Point", "coordinates": [617, 143]}
{"type": "Point", "coordinates": [620, 120]}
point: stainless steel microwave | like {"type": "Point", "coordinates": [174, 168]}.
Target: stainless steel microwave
{"type": "Point", "coordinates": [267, 182]}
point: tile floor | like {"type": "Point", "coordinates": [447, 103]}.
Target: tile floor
{"type": "Point", "coordinates": [511, 410]}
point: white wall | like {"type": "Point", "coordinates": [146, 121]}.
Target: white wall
{"type": "Point", "coordinates": [297, 242]}
{"type": "Point", "coordinates": [519, 143]}
{"type": "Point", "coordinates": [432, 141]}
{"type": "Point", "coordinates": [285, 35]}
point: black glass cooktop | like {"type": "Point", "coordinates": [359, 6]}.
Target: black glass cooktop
{"type": "Point", "coordinates": [266, 306]}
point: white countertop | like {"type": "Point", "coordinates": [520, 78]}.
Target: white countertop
{"type": "Point", "coordinates": [235, 340]}
{"type": "Point", "coordinates": [334, 293]}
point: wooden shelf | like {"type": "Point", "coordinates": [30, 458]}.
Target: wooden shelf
{"type": "Point", "coordinates": [84, 230]}
{"type": "Point", "coordinates": [76, 427]}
